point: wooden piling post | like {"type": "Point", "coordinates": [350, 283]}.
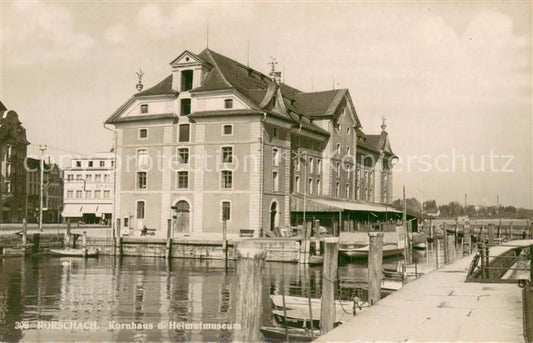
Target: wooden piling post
{"type": "Point", "coordinates": [375, 263]}
{"type": "Point", "coordinates": [250, 269]}
{"type": "Point", "coordinates": [118, 242]}
{"type": "Point", "coordinates": [491, 234]}
{"type": "Point", "coordinates": [168, 250]}
{"type": "Point", "coordinates": [437, 252]}
{"type": "Point", "coordinates": [445, 247]}
{"type": "Point", "coordinates": [329, 275]}
{"type": "Point", "coordinates": [68, 235]}
{"type": "Point", "coordinates": [24, 233]}
{"type": "Point", "coordinates": [84, 243]}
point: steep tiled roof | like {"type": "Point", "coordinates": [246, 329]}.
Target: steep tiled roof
{"type": "Point", "coordinates": [162, 88]}
{"type": "Point", "coordinates": [374, 143]}
{"type": "Point", "coordinates": [319, 103]}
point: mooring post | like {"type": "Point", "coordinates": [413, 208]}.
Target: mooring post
{"type": "Point", "coordinates": [68, 235]}
{"type": "Point", "coordinates": [250, 269]}
{"type": "Point", "coordinates": [491, 234]}
{"type": "Point", "coordinates": [375, 263]}
{"type": "Point", "coordinates": [437, 252]}
{"type": "Point", "coordinates": [168, 250]}
{"type": "Point", "coordinates": [329, 276]}
{"type": "Point", "coordinates": [487, 252]}
{"type": "Point", "coordinates": [84, 243]}
{"type": "Point", "coordinates": [24, 233]}
{"type": "Point", "coordinates": [445, 247]}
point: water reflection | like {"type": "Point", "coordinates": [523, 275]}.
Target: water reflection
{"type": "Point", "coordinates": [140, 290]}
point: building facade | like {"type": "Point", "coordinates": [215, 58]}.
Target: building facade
{"type": "Point", "coordinates": [52, 191]}
{"type": "Point", "coordinates": [13, 150]}
{"type": "Point", "coordinates": [218, 143]}
{"type": "Point", "coordinates": [88, 189]}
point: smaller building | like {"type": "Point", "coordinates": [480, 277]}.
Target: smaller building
{"type": "Point", "coordinates": [52, 191]}
{"type": "Point", "coordinates": [88, 189]}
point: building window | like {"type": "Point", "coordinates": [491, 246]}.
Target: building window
{"type": "Point", "coordinates": [143, 134]}
{"type": "Point", "coordinates": [142, 158]}
{"type": "Point", "coordinates": [183, 179]}
{"type": "Point", "coordinates": [183, 155]}
{"type": "Point", "coordinates": [298, 163]}
{"type": "Point", "coordinates": [310, 186]}
{"type": "Point", "coordinates": [70, 194]}
{"type": "Point", "coordinates": [78, 177]}
{"type": "Point", "coordinates": [318, 189]}
{"type": "Point", "coordinates": [78, 195]}
{"type": "Point", "coordinates": [297, 183]}
{"type": "Point", "coordinates": [185, 107]}
{"type": "Point", "coordinates": [140, 209]}
{"type": "Point", "coordinates": [186, 80]}
{"type": "Point", "coordinates": [97, 178]}
{"type": "Point", "coordinates": [227, 154]}
{"type": "Point", "coordinates": [70, 177]}
{"type": "Point", "coordinates": [275, 157]}
{"type": "Point", "coordinates": [78, 164]}
{"type": "Point", "coordinates": [227, 130]}
{"type": "Point", "coordinates": [338, 126]}
{"type": "Point", "coordinates": [97, 194]}
{"type": "Point", "coordinates": [311, 165]}
{"type": "Point", "coordinates": [337, 189]}
{"type": "Point", "coordinates": [102, 163]}
{"type": "Point", "coordinates": [338, 170]}
{"type": "Point", "coordinates": [275, 132]}
{"type": "Point", "coordinates": [275, 181]}
{"type": "Point", "coordinates": [347, 190]}
{"type": "Point", "coordinates": [228, 103]}
{"type": "Point", "coordinates": [348, 150]}
{"type": "Point", "coordinates": [88, 194]}
{"type": "Point", "coordinates": [106, 177]}
{"type": "Point", "coordinates": [318, 166]}
{"type": "Point", "coordinates": [144, 108]}
{"type": "Point", "coordinates": [107, 194]}
{"type": "Point", "coordinates": [141, 180]}
{"type": "Point", "coordinates": [184, 133]}
{"type": "Point", "coordinates": [338, 148]}
{"type": "Point", "coordinates": [226, 210]}
{"type": "Point", "coordinates": [88, 178]}
{"type": "Point", "coordinates": [227, 179]}
{"type": "Point", "coordinates": [90, 164]}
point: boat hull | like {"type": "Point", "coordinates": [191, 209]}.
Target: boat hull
{"type": "Point", "coordinates": [74, 252]}
{"type": "Point", "coordinates": [276, 334]}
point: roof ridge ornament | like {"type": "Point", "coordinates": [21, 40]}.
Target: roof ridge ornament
{"type": "Point", "coordinates": [383, 124]}
{"type": "Point", "coordinates": [139, 84]}
{"type": "Point", "coordinates": [274, 74]}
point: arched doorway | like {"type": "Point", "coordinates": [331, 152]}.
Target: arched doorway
{"type": "Point", "coordinates": [274, 216]}
{"type": "Point", "coordinates": [182, 214]}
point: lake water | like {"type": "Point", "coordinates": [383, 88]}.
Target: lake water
{"type": "Point", "coordinates": [106, 292]}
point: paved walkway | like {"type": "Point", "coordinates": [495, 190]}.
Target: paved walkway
{"type": "Point", "coordinates": [440, 307]}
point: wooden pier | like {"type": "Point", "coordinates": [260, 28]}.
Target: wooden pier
{"type": "Point", "coordinates": [440, 307]}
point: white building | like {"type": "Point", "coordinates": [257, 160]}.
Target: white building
{"type": "Point", "coordinates": [88, 189]}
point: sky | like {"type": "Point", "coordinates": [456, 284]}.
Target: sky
{"type": "Point", "coordinates": [453, 79]}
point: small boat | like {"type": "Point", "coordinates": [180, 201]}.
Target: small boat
{"type": "Point", "coordinates": [74, 252]}
{"type": "Point", "coordinates": [300, 319]}
{"type": "Point", "coordinates": [278, 334]}
{"type": "Point", "coordinates": [362, 250]}
{"type": "Point", "coordinates": [292, 302]}
{"type": "Point", "coordinates": [315, 260]}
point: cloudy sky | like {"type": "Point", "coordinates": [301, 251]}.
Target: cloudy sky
{"type": "Point", "coordinates": [453, 79]}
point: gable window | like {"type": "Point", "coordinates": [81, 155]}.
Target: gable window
{"type": "Point", "coordinates": [311, 165]}
{"type": "Point", "coordinates": [228, 103]}
{"type": "Point", "coordinates": [348, 150]}
{"type": "Point", "coordinates": [227, 154]}
{"type": "Point", "coordinates": [347, 190]}
{"type": "Point", "coordinates": [318, 190]}
{"type": "Point", "coordinates": [275, 157]}
{"type": "Point", "coordinates": [184, 133]}
{"type": "Point", "coordinates": [185, 107]}
{"type": "Point", "coordinates": [144, 108]}
{"type": "Point", "coordinates": [183, 155]}
{"type": "Point", "coordinates": [183, 179]}
{"type": "Point", "coordinates": [318, 166]}
{"type": "Point", "coordinates": [297, 182]}
{"type": "Point", "coordinates": [338, 126]}
{"type": "Point", "coordinates": [310, 186]}
{"type": "Point", "coordinates": [227, 179]}
{"type": "Point", "coordinates": [143, 134]}
{"type": "Point", "coordinates": [227, 130]}
{"type": "Point", "coordinates": [141, 180]}
{"type": "Point", "coordinates": [337, 189]}
{"type": "Point", "coordinates": [226, 210]}
{"type": "Point", "coordinates": [140, 209]}
{"type": "Point", "coordinates": [186, 80]}
{"type": "Point", "coordinates": [348, 130]}
{"type": "Point", "coordinates": [338, 170]}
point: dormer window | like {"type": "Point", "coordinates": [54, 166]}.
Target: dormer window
{"type": "Point", "coordinates": [186, 80]}
{"type": "Point", "coordinates": [228, 103]}
{"type": "Point", "coordinates": [185, 107]}
{"type": "Point", "coordinates": [144, 108]}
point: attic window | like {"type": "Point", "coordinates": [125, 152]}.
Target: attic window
{"type": "Point", "coordinates": [144, 108]}
{"type": "Point", "coordinates": [186, 80]}
{"type": "Point", "coordinates": [228, 103]}
{"type": "Point", "coordinates": [185, 107]}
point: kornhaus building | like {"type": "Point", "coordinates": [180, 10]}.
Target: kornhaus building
{"type": "Point", "coordinates": [217, 141]}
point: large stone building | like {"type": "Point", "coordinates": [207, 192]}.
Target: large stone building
{"type": "Point", "coordinates": [88, 189]}
{"type": "Point", "coordinates": [219, 141]}
{"type": "Point", "coordinates": [52, 191]}
{"type": "Point", "coordinates": [13, 149]}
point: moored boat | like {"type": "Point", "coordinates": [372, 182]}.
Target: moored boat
{"type": "Point", "coordinates": [279, 334]}
{"type": "Point", "coordinates": [362, 250]}
{"type": "Point", "coordinates": [74, 252]}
